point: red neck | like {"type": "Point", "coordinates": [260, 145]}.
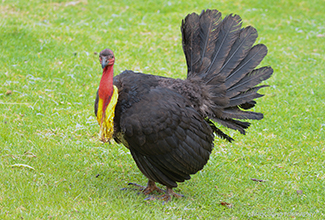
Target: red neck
{"type": "Point", "coordinates": [106, 85]}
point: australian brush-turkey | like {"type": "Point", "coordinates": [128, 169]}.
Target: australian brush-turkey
{"type": "Point", "coordinates": [168, 124]}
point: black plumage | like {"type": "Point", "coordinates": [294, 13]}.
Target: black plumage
{"type": "Point", "coordinates": [168, 124]}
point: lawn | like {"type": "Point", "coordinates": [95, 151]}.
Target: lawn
{"type": "Point", "coordinates": [52, 165]}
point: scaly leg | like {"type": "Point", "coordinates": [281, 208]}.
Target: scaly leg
{"type": "Point", "coordinates": [169, 192]}
{"type": "Point", "coordinates": [151, 186]}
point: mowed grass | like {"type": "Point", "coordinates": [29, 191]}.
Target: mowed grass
{"type": "Point", "coordinates": [52, 165]}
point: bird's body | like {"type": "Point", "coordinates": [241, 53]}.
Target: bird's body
{"type": "Point", "coordinates": [167, 124]}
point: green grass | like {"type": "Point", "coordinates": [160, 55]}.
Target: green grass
{"type": "Point", "coordinates": [47, 61]}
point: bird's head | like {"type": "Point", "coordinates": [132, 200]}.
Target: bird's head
{"type": "Point", "coordinates": [106, 58]}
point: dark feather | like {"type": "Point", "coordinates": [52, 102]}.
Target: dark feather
{"type": "Point", "coordinates": [209, 30]}
{"type": "Point", "coordinates": [250, 80]}
{"type": "Point", "coordinates": [229, 30]}
{"type": "Point", "coordinates": [235, 112]}
{"type": "Point", "coordinates": [190, 34]}
{"type": "Point", "coordinates": [185, 142]}
{"type": "Point", "coordinates": [218, 132]}
{"type": "Point", "coordinates": [151, 171]}
{"type": "Point", "coordinates": [171, 170]}
{"type": "Point", "coordinates": [253, 58]}
{"type": "Point", "coordinates": [239, 50]}
{"type": "Point", "coordinates": [245, 97]}
{"type": "Point", "coordinates": [233, 124]}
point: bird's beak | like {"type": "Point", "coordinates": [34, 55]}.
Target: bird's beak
{"type": "Point", "coordinates": [104, 62]}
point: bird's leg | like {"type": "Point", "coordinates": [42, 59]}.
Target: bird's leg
{"type": "Point", "coordinates": [169, 193]}
{"type": "Point", "coordinates": [151, 186]}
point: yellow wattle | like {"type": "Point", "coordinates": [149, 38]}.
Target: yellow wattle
{"type": "Point", "coordinates": [106, 119]}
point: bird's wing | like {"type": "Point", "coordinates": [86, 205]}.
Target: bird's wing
{"type": "Point", "coordinates": [167, 138]}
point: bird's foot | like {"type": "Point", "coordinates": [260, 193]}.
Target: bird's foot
{"type": "Point", "coordinates": [151, 186]}
{"type": "Point", "coordinates": [167, 196]}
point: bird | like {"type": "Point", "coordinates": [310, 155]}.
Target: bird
{"type": "Point", "coordinates": [169, 125]}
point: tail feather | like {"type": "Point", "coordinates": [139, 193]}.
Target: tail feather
{"type": "Point", "coordinates": [245, 97]}
{"type": "Point", "coordinates": [233, 124]}
{"type": "Point", "coordinates": [209, 31]}
{"type": "Point", "coordinates": [218, 132]}
{"type": "Point", "coordinates": [253, 58]}
{"type": "Point", "coordinates": [239, 50]}
{"type": "Point", "coordinates": [250, 80]}
{"type": "Point", "coordinates": [229, 31]}
{"type": "Point", "coordinates": [235, 112]}
{"type": "Point", "coordinates": [221, 59]}
{"type": "Point", "coordinates": [190, 35]}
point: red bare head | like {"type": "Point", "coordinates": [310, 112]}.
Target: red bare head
{"type": "Point", "coordinates": [106, 58]}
